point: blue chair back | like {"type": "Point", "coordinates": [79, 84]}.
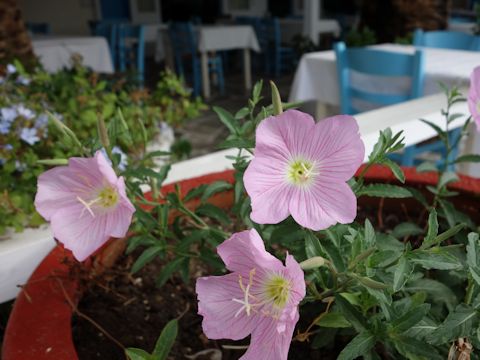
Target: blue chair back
{"type": "Point", "coordinates": [109, 31]}
{"type": "Point", "coordinates": [38, 28]}
{"type": "Point", "coordinates": [131, 48]}
{"type": "Point", "coordinates": [376, 63]}
{"type": "Point", "coordinates": [444, 39]}
{"type": "Point", "coordinates": [184, 42]}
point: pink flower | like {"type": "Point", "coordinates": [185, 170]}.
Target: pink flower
{"type": "Point", "coordinates": [260, 297]}
{"type": "Point", "coordinates": [301, 168]}
{"type": "Point", "coordinates": [86, 204]}
{"type": "Point", "coordinates": [474, 96]}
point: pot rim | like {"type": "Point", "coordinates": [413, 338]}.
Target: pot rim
{"type": "Point", "coordinates": [41, 305]}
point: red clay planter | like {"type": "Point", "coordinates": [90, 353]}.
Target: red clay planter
{"type": "Point", "coordinates": [40, 324]}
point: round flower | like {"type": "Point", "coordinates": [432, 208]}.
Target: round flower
{"type": "Point", "coordinates": [474, 96]}
{"type": "Point", "coordinates": [259, 298]}
{"type": "Point", "coordinates": [86, 204]}
{"type": "Point", "coordinates": [300, 168]}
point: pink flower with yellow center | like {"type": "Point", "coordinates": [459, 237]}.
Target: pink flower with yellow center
{"type": "Point", "coordinates": [259, 298]}
{"type": "Point", "coordinates": [474, 96]}
{"type": "Point", "coordinates": [300, 168]}
{"type": "Point", "coordinates": [86, 204]}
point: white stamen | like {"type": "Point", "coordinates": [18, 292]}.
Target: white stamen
{"type": "Point", "coordinates": [87, 205]}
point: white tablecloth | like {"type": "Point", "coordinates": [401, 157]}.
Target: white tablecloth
{"type": "Point", "coordinates": [212, 38]}
{"type": "Point", "coordinates": [316, 75]}
{"type": "Point", "coordinates": [55, 52]}
{"type": "Point", "coordinates": [227, 37]}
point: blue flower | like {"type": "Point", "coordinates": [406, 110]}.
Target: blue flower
{"type": "Point", "coordinates": [9, 114]}
{"type": "Point", "coordinates": [25, 112]}
{"type": "Point", "coordinates": [4, 127]}
{"type": "Point", "coordinates": [11, 69]}
{"type": "Point", "coordinates": [42, 121]}
{"type": "Point", "coordinates": [23, 80]}
{"type": "Point", "coordinates": [29, 135]}
{"type": "Point", "coordinates": [20, 166]}
{"type": "Point", "coordinates": [123, 157]}
{"type": "Point", "coordinates": [8, 147]}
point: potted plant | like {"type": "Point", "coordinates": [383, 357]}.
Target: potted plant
{"type": "Point", "coordinates": [395, 277]}
{"type": "Point", "coordinates": [75, 98]}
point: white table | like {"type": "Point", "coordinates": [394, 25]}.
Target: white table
{"type": "Point", "coordinates": [226, 37]}
{"type": "Point", "coordinates": [316, 75]}
{"type": "Point", "coordinates": [291, 27]}
{"type": "Point", "coordinates": [466, 27]}
{"type": "Point", "coordinates": [55, 52]}
{"type": "Point", "coordinates": [213, 38]}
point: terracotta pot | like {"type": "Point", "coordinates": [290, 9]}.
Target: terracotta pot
{"type": "Point", "coordinates": [40, 324]}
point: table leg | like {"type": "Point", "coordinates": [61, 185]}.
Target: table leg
{"type": "Point", "coordinates": [205, 77]}
{"type": "Point", "coordinates": [247, 69]}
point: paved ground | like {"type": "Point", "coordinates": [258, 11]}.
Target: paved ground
{"type": "Point", "coordinates": [206, 131]}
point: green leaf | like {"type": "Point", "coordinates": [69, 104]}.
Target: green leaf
{"type": "Point", "coordinates": [138, 354]}
{"type": "Point", "coordinates": [384, 190]}
{"type": "Point", "coordinates": [435, 258]}
{"type": "Point", "coordinates": [432, 227]}
{"type": "Point", "coordinates": [353, 316]}
{"type": "Point", "coordinates": [240, 114]}
{"type": "Point", "coordinates": [168, 270]}
{"type": "Point", "coordinates": [227, 119]}
{"type": "Point", "coordinates": [214, 212]}
{"type": "Point", "coordinates": [216, 187]}
{"type": "Point", "coordinates": [410, 318]}
{"type": "Point", "coordinates": [396, 170]}
{"type": "Point", "coordinates": [444, 236]}
{"type": "Point", "coordinates": [427, 167]}
{"type": "Point", "coordinates": [165, 341]}
{"type": "Point", "coordinates": [401, 274]}
{"type": "Point", "coordinates": [458, 324]}
{"type": "Point", "coordinates": [147, 256]}
{"type": "Point", "coordinates": [438, 291]}
{"type": "Point", "coordinates": [276, 99]}
{"type": "Point", "coordinates": [435, 127]}
{"type": "Point", "coordinates": [359, 345]}
{"type": "Point", "coordinates": [447, 178]}
{"type": "Point", "coordinates": [473, 256]}
{"type": "Point", "coordinates": [468, 158]}
{"type": "Point", "coordinates": [370, 283]}
{"type": "Point", "coordinates": [333, 320]}
{"type": "Point", "coordinates": [414, 349]}
{"type": "Point", "coordinates": [406, 229]}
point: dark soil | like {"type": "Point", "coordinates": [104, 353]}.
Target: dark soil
{"type": "Point", "coordinates": [133, 310]}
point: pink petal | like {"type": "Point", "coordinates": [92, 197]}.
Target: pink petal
{"type": "Point", "coordinates": [267, 343]}
{"type": "Point", "coordinates": [79, 231]}
{"type": "Point", "coordinates": [56, 189]}
{"type": "Point", "coordinates": [245, 251]}
{"type": "Point", "coordinates": [283, 135]}
{"type": "Point", "coordinates": [105, 168]}
{"type": "Point", "coordinates": [323, 204]}
{"type": "Point", "coordinates": [336, 146]}
{"type": "Point", "coordinates": [296, 274]}
{"type": "Point", "coordinates": [265, 183]}
{"type": "Point", "coordinates": [474, 95]}
{"type": "Point", "coordinates": [215, 294]}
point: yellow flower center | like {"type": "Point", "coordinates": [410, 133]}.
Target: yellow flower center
{"type": "Point", "coordinates": [277, 290]}
{"type": "Point", "coordinates": [301, 172]}
{"type": "Point", "coordinates": [108, 197]}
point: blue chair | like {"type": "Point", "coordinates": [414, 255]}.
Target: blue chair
{"type": "Point", "coordinates": [270, 37]}
{"type": "Point", "coordinates": [38, 28]}
{"type": "Point", "coordinates": [109, 31]}
{"type": "Point", "coordinates": [185, 45]}
{"type": "Point", "coordinates": [382, 63]}
{"type": "Point", "coordinates": [444, 39]}
{"type": "Point", "coordinates": [131, 49]}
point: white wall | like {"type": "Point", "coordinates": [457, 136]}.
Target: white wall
{"type": "Point", "coordinates": [66, 17]}
{"type": "Point", "coordinates": [257, 8]}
